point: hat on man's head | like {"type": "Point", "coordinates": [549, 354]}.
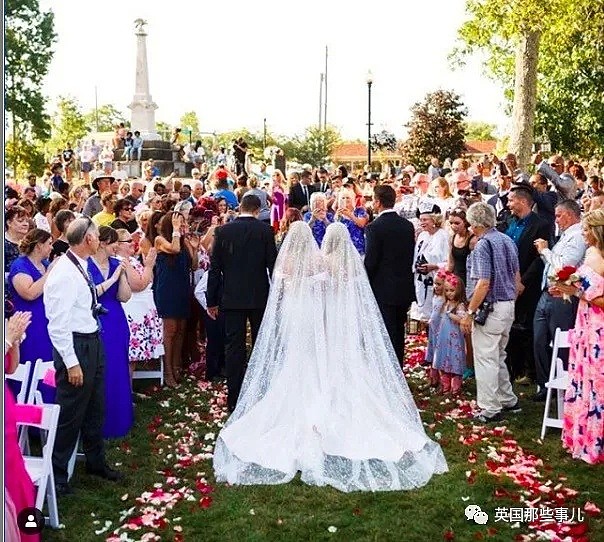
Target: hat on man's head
{"type": "Point", "coordinates": [426, 207]}
{"type": "Point", "coordinates": [95, 181]}
{"type": "Point", "coordinates": [322, 170]}
{"type": "Point", "coordinates": [409, 169]}
{"type": "Point", "coordinates": [195, 171]}
{"type": "Point", "coordinates": [221, 174]}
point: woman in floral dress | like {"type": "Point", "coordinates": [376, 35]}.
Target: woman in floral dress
{"type": "Point", "coordinates": [583, 426]}
{"type": "Point", "coordinates": [146, 335]}
{"type": "Point", "coordinates": [355, 219]}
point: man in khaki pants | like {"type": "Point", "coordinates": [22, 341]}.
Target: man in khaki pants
{"type": "Point", "coordinates": [493, 276]}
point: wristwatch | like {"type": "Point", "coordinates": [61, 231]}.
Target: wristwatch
{"type": "Point", "coordinates": [471, 313]}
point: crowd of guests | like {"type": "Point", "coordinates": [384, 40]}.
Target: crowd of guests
{"type": "Point", "coordinates": [489, 240]}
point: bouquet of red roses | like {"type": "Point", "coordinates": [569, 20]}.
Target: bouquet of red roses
{"type": "Point", "coordinates": [565, 275]}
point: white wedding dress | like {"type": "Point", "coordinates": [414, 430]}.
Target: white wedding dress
{"type": "Point", "coordinates": [323, 394]}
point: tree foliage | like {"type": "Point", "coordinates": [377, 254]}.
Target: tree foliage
{"type": "Point", "coordinates": [25, 156]}
{"type": "Point", "coordinates": [68, 124]}
{"type": "Point", "coordinates": [108, 116]}
{"type": "Point", "coordinates": [436, 128]}
{"type": "Point", "coordinates": [29, 35]}
{"type": "Point", "coordinates": [189, 121]}
{"type": "Point", "coordinates": [383, 141]}
{"type": "Point", "coordinates": [315, 146]}
{"type": "Point", "coordinates": [570, 69]}
{"type": "Point", "coordinates": [479, 131]}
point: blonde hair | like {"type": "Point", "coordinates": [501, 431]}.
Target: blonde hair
{"type": "Point", "coordinates": [442, 182]}
{"type": "Point", "coordinates": [594, 220]}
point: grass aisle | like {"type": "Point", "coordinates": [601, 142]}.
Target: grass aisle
{"type": "Point", "coordinates": [170, 493]}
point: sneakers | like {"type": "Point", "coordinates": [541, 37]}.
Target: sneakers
{"type": "Point", "coordinates": [480, 417]}
{"type": "Point", "coordinates": [515, 408]}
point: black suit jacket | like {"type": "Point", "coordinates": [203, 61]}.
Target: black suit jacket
{"type": "Point", "coordinates": [389, 247]}
{"type": "Point", "coordinates": [296, 196]}
{"type": "Point", "coordinates": [321, 187]}
{"type": "Point", "coordinates": [531, 269]}
{"type": "Point", "coordinates": [244, 255]}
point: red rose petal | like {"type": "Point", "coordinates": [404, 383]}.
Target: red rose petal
{"type": "Point", "coordinates": [449, 535]}
{"type": "Point", "coordinates": [205, 502]}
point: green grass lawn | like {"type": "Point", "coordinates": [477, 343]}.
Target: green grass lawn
{"type": "Point", "coordinates": [169, 452]}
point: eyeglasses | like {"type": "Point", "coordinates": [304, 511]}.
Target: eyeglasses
{"type": "Point", "coordinates": [127, 209]}
{"type": "Point", "coordinates": [126, 241]}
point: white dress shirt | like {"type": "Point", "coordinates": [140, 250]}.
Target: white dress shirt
{"type": "Point", "coordinates": [201, 289]}
{"type": "Point", "coordinates": [569, 250]}
{"type": "Point", "coordinates": [68, 306]}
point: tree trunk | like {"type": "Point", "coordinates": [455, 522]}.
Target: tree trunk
{"type": "Point", "coordinates": [525, 97]}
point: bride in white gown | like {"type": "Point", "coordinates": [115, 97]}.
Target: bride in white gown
{"type": "Point", "coordinates": [323, 393]}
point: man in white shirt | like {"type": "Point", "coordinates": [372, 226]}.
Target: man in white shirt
{"type": "Point", "coordinates": [553, 312]}
{"type": "Point", "coordinates": [118, 173]}
{"type": "Point", "coordinates": [72, 309]}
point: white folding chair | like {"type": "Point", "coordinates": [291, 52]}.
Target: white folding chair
{"type": "Point", "coordinates": [40, 468]}
{"type": "Point", "coordinates": [21, 375]}
{"type": "Point", "coordinates": [137, 375]}
{"type": "Point", "coordinates": [558, 381]}
{"type": "Point", "coordinates": [35, 397]}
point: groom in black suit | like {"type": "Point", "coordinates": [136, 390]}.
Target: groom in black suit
{"type": "Point", "coordinates": [243, 257]}
{"type": "Point", "coordinates": [390, 243]}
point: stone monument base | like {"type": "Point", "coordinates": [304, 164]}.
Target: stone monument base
{"type": "Point", "coordinates": [164, 156]}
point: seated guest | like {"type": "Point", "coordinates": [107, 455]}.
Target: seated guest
{"type": "Point", "coordinates": [318, 217]}
{"type": "Point", "coordinates": [62, 221]}
{"type": "Point", "coordinates": [112, 289]}
{"type": "Point", "coordinates": [124, 216]}
{"type": "Point", "coordinates": [26, 280]}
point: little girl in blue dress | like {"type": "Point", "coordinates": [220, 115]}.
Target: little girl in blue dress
{"type": "Point", "coordinates": [450, 351]}
{"type": "Point", "coordinates": [434, 325]}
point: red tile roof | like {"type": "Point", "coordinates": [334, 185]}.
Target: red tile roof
{"type": "Point", "coordinates": [480, 147]}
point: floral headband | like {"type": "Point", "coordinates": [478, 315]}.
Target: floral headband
{"type": "Point", "coordinates": [448, 276]}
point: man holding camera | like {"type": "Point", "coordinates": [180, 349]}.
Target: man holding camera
{"type": "Point", "coordinates": [72, 309]}
{"type": "Point", "coordinates": [493, 285]}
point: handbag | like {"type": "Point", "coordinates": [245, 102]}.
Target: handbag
{"type": "Point", "coordinates": [486, 307]}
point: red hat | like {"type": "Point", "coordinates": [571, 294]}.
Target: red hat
{"type": "Point", "coordinates": [221, 174]}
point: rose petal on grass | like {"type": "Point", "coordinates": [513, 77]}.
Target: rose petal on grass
{"type": "Point", "coordinates": [332, 529]}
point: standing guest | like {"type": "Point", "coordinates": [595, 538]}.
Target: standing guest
{"type": "Point", "coordinates": [545, 201]}
{"type": "Point", "coordinates": [146, 335]}
{"type": "Point", "coordinates": [265, 199]}
{"type": "Point", "coordinates": [32, 182]}
{"type": "Point", "coordinates": [322, 181]}
{"type": "Point", "coordinates": [434, 168]}
{"type": "Point", "coordinates": [106, 216]}
{"type": "Point", "coordinates": [57, 182]}
{"type": "Point", "coordinates": [172, 288]}
{"type": "Point", "coordinates": [318, 217]}
{"type": "Point", "coordinates": [30, 208]}
{"type": "Point", "coordinates": [242, 186]}
{"type": "Point", "coordinates": [77, 199]}
{"type": "Point", "coordinates": [462, 243]}
{"type": "Point", "coordinates": [69, 158]}
{"type": "Point", "coordinates": [524, 228]}
{"type": "Point", "coordinates": [431, 254]}
{"type": "Point", "coordinates": [26, 280]}
{"type": "Point", "coordinates": [299, 194]}
{"type": "Point", "coordinates": [582, 429]}
{"type": "Point", "coordinates": [124, 189]}
{"type": "Point", "coordinates": [553, 312]}
{"type": "Point", "coordinates": [62, 221]}
{"type": "Point", "coordinates": [41, 216]}
{"type": "Point", "coordinates": [553, 171]}
{"type": "Point", "coordinates": [243, 257]}
{"type": "Point", "coordinates": [438, 300]}
{"type": "Point", "coordinates": [124, 216]}
{"type": "Point", "coordinates": [390, 241]}
{"type": "Point", "coordinates": [112, 289]}
{"type": "Point", "coordinates": [18, 487]}
{"type": "Point", "coordinates": [493, 276]}
{"type": "Point", "coordinates": [71, 306]}
{"type": "Point", "coordinates": [355, 219]}
{"type": "Point", "coordinates": [118, 173]}
{"type": "Point", "coordinates": [291, 215]}
{"type": "Point", "coordinates": [278, 199]}
{"type": "Point", "coordinates": [100, 185]}
{"type": "Point", "coordinates": [151, 232]}
{"type": "Point", "coordinates": [222, 188]}
{"type": "Point", "coordinates": [16, 226]}
{"type": "Point", "coordinates": [106, 158]}
{"type": "Point", "coordinates": [442, 194]}
{"type": "Point", "coordinates": [450, 348]}
{"type": "Point", "coordinates": [86, 161]}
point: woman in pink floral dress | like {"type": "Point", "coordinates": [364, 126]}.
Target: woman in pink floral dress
{"type": "Point", "coordinates": [583, 427]}
{"type": "Point", "coordinates": [146, 331]}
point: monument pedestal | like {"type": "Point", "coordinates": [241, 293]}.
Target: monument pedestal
{"type": "Point", "coordinates": [163, 155]}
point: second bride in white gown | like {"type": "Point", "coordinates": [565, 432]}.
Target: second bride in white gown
{"type": "Point", "coordinates": [324, 394]}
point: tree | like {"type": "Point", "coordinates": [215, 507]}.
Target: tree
{"type": "Point", "coordinates": [29, 35]}
{"type": "Point", "coordinates": [190, 121]}
{"type": "Point", "coordinates": [25, 156]}
{"type": "Point", "coordinates": [436, 129]}
{"type": "Point", "coordinates": [550, 63]}
{"type": "Point", "coordinates": [68, 124]}
{"type": "Point", "coordinates": [479, 131]}
{"type": "Point", "coordinates": [383, 141]}
{"type": "Point", "coordinates": [315, 146]}
{"type": "Point", "coordinates": [108, 116]}
{"type": "Point", "coordinates": [164, 129]}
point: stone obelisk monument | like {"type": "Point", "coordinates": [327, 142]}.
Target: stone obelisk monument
{"type": "Point", "coordinates": [143, 107]}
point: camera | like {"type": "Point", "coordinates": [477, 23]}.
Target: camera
{"type": "Point", "coordinates": [485, 308]}
{"type": "Point", "coordinates": [99, 310]}
{"type": "Point", "coordinates": [421, 260]}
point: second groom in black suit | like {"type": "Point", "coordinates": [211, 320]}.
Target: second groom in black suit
{"type": "Point", "coordinates": [390, 243]}
{"type": "Point", "coordinates": [243, 257]}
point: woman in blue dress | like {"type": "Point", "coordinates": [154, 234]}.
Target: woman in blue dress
{"type": "Point", "coordinates": [318, 217]}
{"type": "Point", "coordinates": [107, 272]}
{"type": "Point", "coordinates": [355, 219]}
{"type": "Point", "coordinates": [26, 281]}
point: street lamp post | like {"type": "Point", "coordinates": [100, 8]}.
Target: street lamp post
{"type": "Point", "coordinates": [369, 83]}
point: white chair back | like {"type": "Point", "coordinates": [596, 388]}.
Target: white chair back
{"type": "Point", "coordinates": [558, 381]}
{"type": "Point", "coordinates": [40, 370]}
{"type": "Point", "coordinates": [21, 375]}
{"type": "Point", "coordinates": [40, 468]}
